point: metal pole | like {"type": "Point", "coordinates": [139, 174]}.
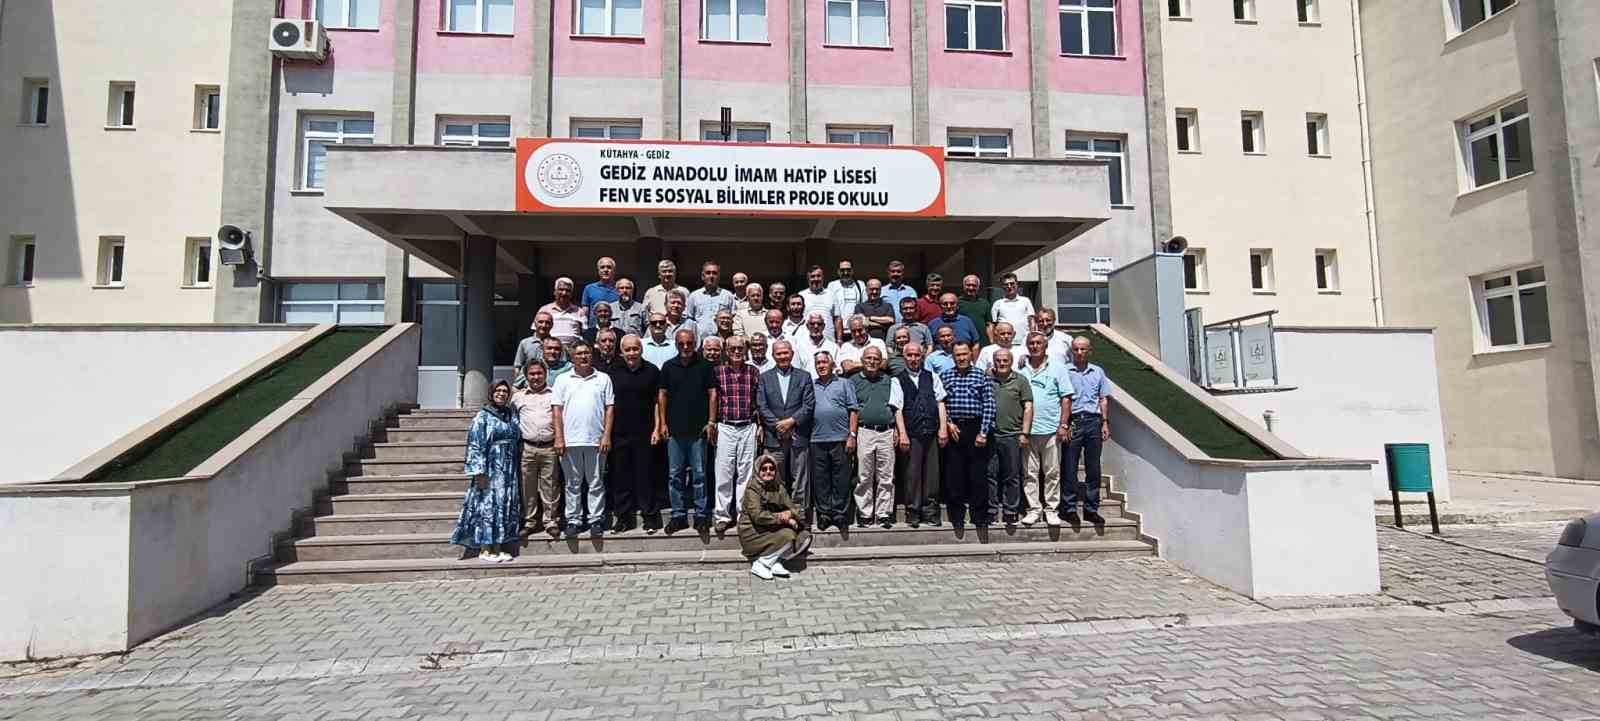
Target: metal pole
{"type": "Point", "coordinates": [1433, 513]}
{"type": "Point", "coordinates": [1395, 495]}
{"type": "Point", "coordinates": [1272, 346]}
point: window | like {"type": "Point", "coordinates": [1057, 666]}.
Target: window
{"type": "Point", "coordinates": [322, 131]}
{"type": "Point", "coordinates": [35, 101]}
{"type": "Point", "coordinates": [360, 14]}
{"type": "Point", "coordinates": [1316, 134]}
{"type": "Point", "coordinates": [978, 144]}
{"type": "Point", "coordinates": [1244, 10]}
{"type": "Point", "coordinates": [481, 16]}
{"type": "Point", "coordinates": [1083, 304]}
{"type": "Point", "coordinates": [612, 130]}
{"type": "Point", "coordinates": [742, 133]}
{"type": "Point", "coordinates": [197, 263]}
{"type": "Point", "coordinates": [23, 254]}
{"type": "Point", "coordinates": [1261, 270]}
{"type": "Point", "coordinates": [207, 107]}
{"type": "Point", "coordinates": [1498, 145]}
{"type": "Point", "coordinates": [358, 302]}
{"type": "Point", "coordinates": [1327, 269]}
{"type": "Point", "coordinates": [1468, 13]}
{"type": "Point", "coordinates": [734, 20]}
{"type": "Point", "coordinates": [471, 133]}
{"type": "Point", "coordinates": [1088, 27]}
{"type": "Point", "coordinates": [110, 265]}
{"type": "Point", "coordinates": [858, 22]}
{"type": "Point", "coordinates": [974, 25]}
{"type": "Point", "coordinates": [1108, 149]}
{"type": "Point", "coordinates": [1188, 130]}
{"type": "Point", "coordinates": [1307, 11]}
{"type": "Point", "coordinates": [1514, 308]}
{"type": "Point", "coordinates": [624, 18]}
{"type": "Point", "coordinates": [1178, 9]}
{"type": "Point", "coordinates": [1252, 129]}
{"type": "Point", "coordinates": [1194, 269]}
{"type": "Point", "coordinates": [865, 135]}
{"type": "Point", "coordinates": [119, 106]}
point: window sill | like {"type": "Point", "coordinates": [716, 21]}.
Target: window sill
{"type": "Point", "coordinates": [755, 43]}
{"type": "Point", "coordinates": [101, 286]}
{"type": "Point", "coordinates": [1196, 291]}
{"type": "Point", "coordinates": [207, 286]}
{"type": "Point", "coordinates": [307, 191]}
{"type": "Point", "coordinates": [1500, 350]}
{"type": "Point", "coordinates": [1188, 152]}
{"type": "Point", "coordinates": [1257, 291]}
{"type": "Point", "coordinates": [1504, 11]}
{"type": "Point", "coordinates": [1237, 21]}
{"type": "Point", "coordinates": [610, 38]}
{"type": "Point", "coordinates": [1121, 206]}
{"type": "Point", "coordinates": [839, 46]}
{"type": "Point", "coordinates": [1334, 291]}
{"type": "Point", "coordinates": [334, 29]}
{"type": "Point", "coordinates": [475, 34]}
{"type": "Point", "coordinates": [33, 125]}
{"type": "Point", "coordinates": [1311, 24]}
{"type": "Point", "coordinates": [1495, 184]}
{"type": "Point", "coordinates": [1256, 154]}
{"type": "Point", "coordinates": [122, 127]}
{"type": "Point", "coordinates": [978, 51]}
{"type": "Point", "coordinates": [1318, 155]}
{"type": "Point", "coordinates": [1087, 56]}
{"type": "Point", "coordinates": [19, 286]}
{"type": "Point", "coordinates": [1181, 18]}
{"type": "Point", "coordinates": [207, 131]}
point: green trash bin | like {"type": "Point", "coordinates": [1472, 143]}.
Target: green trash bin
{"type": "Point", "coordinates": [1411, 470]}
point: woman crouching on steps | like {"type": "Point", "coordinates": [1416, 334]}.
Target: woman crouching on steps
{"type": "Point", "coordinates": [769, 523]}
{"type": "Point", "coordinates": [491, 514]}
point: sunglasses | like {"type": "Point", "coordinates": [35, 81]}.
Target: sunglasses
{"type": "Point", "coordinates": [658, 322]}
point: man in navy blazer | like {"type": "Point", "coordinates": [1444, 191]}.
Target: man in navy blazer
{"type": "Point", "coordinates": [785, 402]}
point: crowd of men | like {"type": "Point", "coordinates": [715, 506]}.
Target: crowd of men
{"type": "Point", "coordinates": [865, 390]}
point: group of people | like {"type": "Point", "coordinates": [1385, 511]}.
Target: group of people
{"type": "Point", "coordinates": [777, 413]}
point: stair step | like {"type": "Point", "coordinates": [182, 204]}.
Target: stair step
{"type": "Point", "coordinates": [408, 451]}
{"type": "Point", "coordinates": [434, 422]}
{"type": "Point", "coordinates": [443, 412]}
{"type": "Point", "coordinates": [376, 571]}
{"type": "Point", "coordinates": [409, 466]}
{"type": "Point", "coordinates": [401, 483]}
{"type": "Point", "coordinates": [424, 435]}
{"type": "Point", "coordinates": [356, 503]}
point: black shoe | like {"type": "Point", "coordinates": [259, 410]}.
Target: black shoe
{"type": "Point", "coordinates": [1094, 518]}
{"type": "Point", "coordinates": [862, 522]}
{"type": "Point", "coordinates": [676, 525]}
{"type": "Point", "coordinates": [887, 523]}
{"type": "Point", "coordinates": [702, 526]}
{"type": "Point", "coordinates": [1070, 518]}
{"type": "Point", "coordinates": [572, 530]}
{"type": "Point", "coordinates": [958, 524]}
{"type": "Point", "coordinates": [914, 524]}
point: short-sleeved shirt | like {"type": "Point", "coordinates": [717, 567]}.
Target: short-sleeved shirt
{"type": "Point", "coordinates": [874, 310]}
{"type": "Point", "coordinates": [830, 422]}
{"type": "Point", "coordinates": [1010, 395]}
{"type": "Point", "coordinates": [977, 310]}
{"type": "Point", "coordinates": [818, 302]}
{"type": "Point", "coordinates": [583, 401]}
{"type": "Point", "coordinates": [1088, 387]}
{"type": "Point", "coordinates": [1050, 385]}
{"type": "Point", "coordinates": [928, 309]}
{"type": "Point", "coordinates": [688, 387]}
{"type": "Point", "coordinates": [1059, 348]}
{"type": "Point", "coordinates": [805, 352]}
{"type": "Point", "coordinates": [747, 322]}
{"type": "Point", "coordinates": [893, 293]}
{"type": "Point", "coordinates": [636, 397]}
{"type": "Point", "coordinates": [657, 354]}
{"type": "Point", "coordinates": [569, 322]}
{"type": "Point", "coordinates": [845, 297]}
{"type": "Point", "coordinates": [897, 395]}
{"type": "Point", "coordinates": [534, 416]}
{"type": "Point", "coordinates": [940, 361]}
{"type": "Point", "coordinates": [1017, 312]}
{"type": "Point", "coordinates": [704, 305]}
{"type": "Point", "coordinates": [655, 297]}
{"type": "Point", "coordinates": [595, 293]}
{"type": "Point", "coordinates": [736, 392]}
{"type": "Point", "coordinates": [850, 351]}
{"type": "Point", "coordinates": [961, 325]}
{"type": "Point", "coordinates": [919, 333]}
{"type": "Point", "coordinates": [632, 319]}
{"type": "Point", "coordinates": [985, 361]}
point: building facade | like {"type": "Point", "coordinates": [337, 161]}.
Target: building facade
{"type": "Point", "coordinates": [1485, 130]}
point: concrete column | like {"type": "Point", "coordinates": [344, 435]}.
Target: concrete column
{"type": "Point", "coordinates": [539, 108]}
{"type": "Point", "coordinates": [817, 251]}
{"type": "Point", "coordinates": [241, 295]}
{"type": "Point", "coordinates": [396, 289]}
{"type": "Point", "coordinates": [921, 124]}
{"type": "Point", "coordinates": [527, 302]}
{"type": "Point", "coordinates": [478, 313]}
{"type": "Point", "coordinates": [402, 131]}
{"type": "Point", "coordinates": [672, 70]}
{"type": "Point", "coordinates": [1046, 297]}
{"type": "Point", "coordinates": [1155, 101]}
{"type": "Point", "coordinates": [1040, 13]}
{"type": "Point", "coordinates": [799, 129]}
{"type": "Point", "coordinates": [649, 253]}
{"type": "Point", "coordinates": [979, 259]}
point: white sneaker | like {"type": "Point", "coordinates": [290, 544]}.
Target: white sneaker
{"type": "Point", "coordinates": [1052, 519]}
{"type": "Point", "coordinates": [503, 557]}
{"type": "Point", "coordinates": [488, 557]}
{"type": "Point", "coordinates": [778, 570]}
{"type": "Point", "coordinates": [1031, 518]}
{"type": "Point", "coordinates": [760, 571]}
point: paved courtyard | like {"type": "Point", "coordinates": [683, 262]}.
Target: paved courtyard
{"type": "Point", "coordinates": [1461, 631]}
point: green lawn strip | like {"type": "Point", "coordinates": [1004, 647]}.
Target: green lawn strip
{"type": "Point", "coordinates": [1188, 416]}
{"type": "Point", "coordinates": [179, 449]}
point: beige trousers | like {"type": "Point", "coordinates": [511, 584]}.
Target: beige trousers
{"type": "Point", "coordinates": [539, 482]}
{"type": "Point", "coordinates": [1042, 456]}
{"type": "Point", "coordinates": [875, 473]}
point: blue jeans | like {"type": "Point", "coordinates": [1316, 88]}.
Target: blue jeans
{"type": "Point", "coordinates": [1085, 440]}
{"type": "Point", "coordinates": [690, 452]}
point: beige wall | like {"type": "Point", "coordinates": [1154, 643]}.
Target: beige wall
{"type": "Point", "coordinates": [72, 181]}
{"type": "Point", "coordinates": [1227, 202]}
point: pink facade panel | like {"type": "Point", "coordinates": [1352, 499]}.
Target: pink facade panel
{"type": "Point", "coordinates": [830, 64]}
{"type": "Point", "coordinates": [355, 49]}
{"type": "Point", "coordinates": [445, 52]}
{"type": "Point", "coordinates": [762, 61]}
{"type": "Point", "coordinates": [1119, 75]}
{"type": "Point", "coordinates": [997, 70]}
{"type": "Point", "coordinates": [574, 55]}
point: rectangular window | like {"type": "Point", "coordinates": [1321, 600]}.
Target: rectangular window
{"type": "Point", "coordinates": [742, 133]}
{"type": "Point", "coordinates": [207, 107]}
{"type": "Point", "coordinates": [350, 14]}
{"type": "Point", "coordinates": [1498, 145]}
{"type": "Point", "coordinates": [1244, 10]}
{"type": "Point", "coordinates": [858, 22]}
{"type": "Point", "coordinates": [608, 130]}
{"type": "Point", "coordinates": [1327, 269]}
{"type": "Point", "coordinates": [1316, 134]}
{"type": "Point", "coordinates": [1088, 27]}
{"type": "Point", "coordinates": [110, 265]}
{"type": "Point", "coordinates": [1188, 130]}
{"type": "Point", "coordinates": [320, 131]}
{"type": "Point", "coordinates": [359, 303]}
{"type": "Point", "coordinates": [615, 18]}
{"type": "Point", "coordinates": [481, 16]}
{"type": "Point", "coordinates": [1307, 11]}
{"type": "Point", "coordinates": [1194, 269]}
{"type": "Point", "coordinates": [734, 20]}
{"type": "Point", "coordinates": [23, 254]}
{"type": "Point", "coordinates": [35, 101]}
{"type": "Point", "coordinates": [1178, 9]}
{"type": "Point", "coordinates": [975, 25]}
{"type": "Point", "coordinates": [1261, 270]}
{"type": "Point", "coordinates": [1108, 149]}
{"type": "Point", "coordinates": [197, 263]}
{"type": "Point", "coordinates": [978, 144]}
{"type": "Point", "coordinates": [1468, 13]}
{"type": "Point", "coordinates": [1514, 307]}
{"type": "Point", "coordinates": [863, 135]}
{"type": "Point", "coordinates": [119, 106]}
{"type": "Point", "coordinates": [475, 133]}
{"type": "Point", "coordinates": [1252, 132]}
{"type": "Point", "coordinates": [1083, 304]}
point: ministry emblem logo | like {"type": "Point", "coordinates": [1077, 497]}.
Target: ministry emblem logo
{"type": "Point", "coordinates": [560, 175]}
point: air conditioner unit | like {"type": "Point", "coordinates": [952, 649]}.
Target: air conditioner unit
{"type": "Point", "coordinates": [298, 39]}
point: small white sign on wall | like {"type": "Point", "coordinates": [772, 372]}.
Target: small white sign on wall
{"type": "Point", "coordinates": [1100, 267]}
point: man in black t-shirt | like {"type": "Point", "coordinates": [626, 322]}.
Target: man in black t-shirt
{"type": "Point", "coordinates": [635, 482]}
{"type": "Point", "coordinates": [687, 393]}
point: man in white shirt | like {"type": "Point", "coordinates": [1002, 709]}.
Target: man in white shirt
{"type": "Point", "coordinates": [1005, 336]}
{"type": "Point", "coordinates": [658, 346]}
{"type": "Point", "coordinates": [1015, 309]}
{"type": "Point", "coordinates": [1059, 344]}
{"type": "Point", "coordinates": [846, 292]}
{"type": "Point", "coordinates": [583, 407]}
{"type": "Point", "coordinates": [569, 317]}
{"type": "Point", "coordinates": [655, 297]}
{"type": "Point", "coordinates": [794, 324]}
{"type": "Point", "coordinates": [849, 355]}
{"type": "Point", "coordinates": [817, 299]}
{"type": "Point", "coordinates": [814, 339]}
{"type": "Point", "coordinates": [758, 353]}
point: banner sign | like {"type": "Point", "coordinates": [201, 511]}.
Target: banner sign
{"type": "Point", "coordinates": [559, 175]}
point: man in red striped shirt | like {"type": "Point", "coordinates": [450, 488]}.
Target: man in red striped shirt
{"type": "Point", "coordinates": [737, 432]}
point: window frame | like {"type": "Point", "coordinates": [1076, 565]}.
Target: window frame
{"type": "Point", "coordinates": [709, 127]}
{"type": "Point", "coordinates": [1318, 135]}
{"type": "Point", "coordinates": [1258, 132]}
{"type": "Point", "coordinates": [1195, 264]}
{"type": "Point", "coordinates": [192, 264]}
{"type": "Point", "coordinates": [111, 265]}
{"type": "Point", "coordinates": [1121, 156]}
{"type": "Point", "coordinates": [1308, 12]}
{"type": "Point", "coordinates": [1244, 11]}
{"type": "Point", "coordinates": [733, 23]}
{"type": "Point", "coordinates": [1481, 297]}
{"type": "Point", "coordinates": [976, 150]}
{"type": "Point", "coordinates": [348, 22]}
{"type": "Point", "coordinates": [1102, 311]}
{"type": "Point", "coordinates": [1453, 10]}
{"type": "Point", "coordinates": [480, 18]}
{"type": "Point", "coordinates": [1183, 8]}
{"type": "Point", "coordinates": [32, 107]}
{"type": "Point", "coordinates": [477, 139]}
{"type": "Point", "coordinates": [972, 25]}
{"type": "Point", "coordinates": [337, 302]}
{"type": "Point", "coordinates": [607, 126]}
{"type": "Point", "coordinates": [24, 259]}
{"type": "Point", "coordinates": [1496, 130]}
{"type": "Point", "coordinates": [1268, 283]}
{"type": "Point", "coordinates": [121, 104]}
{"type": "Point", "coordinates": [1325, 270]}
{"type": "Point", "coordinates": [855, 132]}
{"type": "Point", "coordinates": [207, 100]}
{"type": "Point", "coordinates": [855, 25]}
{"type": "Point", "coordinates": [1083, 8]}
{"type": "Point", "coordinates": [307, 135]}
{"type": "Point", "coordinates": [1192, 136]}
{"type": "Point", "coordinates": [611, 21]}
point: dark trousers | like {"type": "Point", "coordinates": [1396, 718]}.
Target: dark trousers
{"type": "Point", "coordinates": [634, 484]}
{"type": "Point", "coordinates": [1085, 442]}
{"type": "Point", "coordinates": [831, 482]}
{"type": "Point", "coordinates": [794, 467]}
{"type": "Point", "coordinates": [962, 470]}
{"type": "Point", "coordinates": [921, 480]}
{"type": "Point", "coordinates": [1005, 480]}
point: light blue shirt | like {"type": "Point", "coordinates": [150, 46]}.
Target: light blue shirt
{"type": "Point", "coordinates": [702, 307]}
{"type": "Point", "coordinates": [659, 353]}
{"type": "Point", "coordinates": [893, 296]}
{"type": "Point", "coordinates": [1050, 385]}
{"type": "Point", "coordinates": [1088, 387]}
{"type": "Point", "coordinates": [940, 361]}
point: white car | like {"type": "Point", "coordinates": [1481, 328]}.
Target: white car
{"type": "Point", "coordinates": [1573, 570]}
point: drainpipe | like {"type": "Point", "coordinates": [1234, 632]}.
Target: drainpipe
{"type": "Point", "coordinates": [1370, 212]}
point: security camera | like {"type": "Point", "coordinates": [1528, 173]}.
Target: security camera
{"type": "Point", "coordinates": [233, 245]}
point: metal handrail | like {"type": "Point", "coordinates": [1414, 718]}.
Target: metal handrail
{"type": "Point", "coordinates": [1231, 321]}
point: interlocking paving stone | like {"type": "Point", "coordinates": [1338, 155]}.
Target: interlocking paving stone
{"type": "Point", "coordinates": [1419, 569]}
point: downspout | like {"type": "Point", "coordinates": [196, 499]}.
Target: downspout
{"type": "Point", "coordinates": [1370, 212]}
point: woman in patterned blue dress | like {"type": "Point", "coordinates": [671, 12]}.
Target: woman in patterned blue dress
{"type": "Point", "coordinates": [491, 514]}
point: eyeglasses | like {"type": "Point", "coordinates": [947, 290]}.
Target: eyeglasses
{"type": "Point", "coordinates": [658, 322]}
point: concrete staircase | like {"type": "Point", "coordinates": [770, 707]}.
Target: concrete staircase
{"type": "Point", "coordinates": [390, 517]}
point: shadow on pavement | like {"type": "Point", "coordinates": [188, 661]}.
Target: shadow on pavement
{"type": "Point", "coordinates": [1567, 645]}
